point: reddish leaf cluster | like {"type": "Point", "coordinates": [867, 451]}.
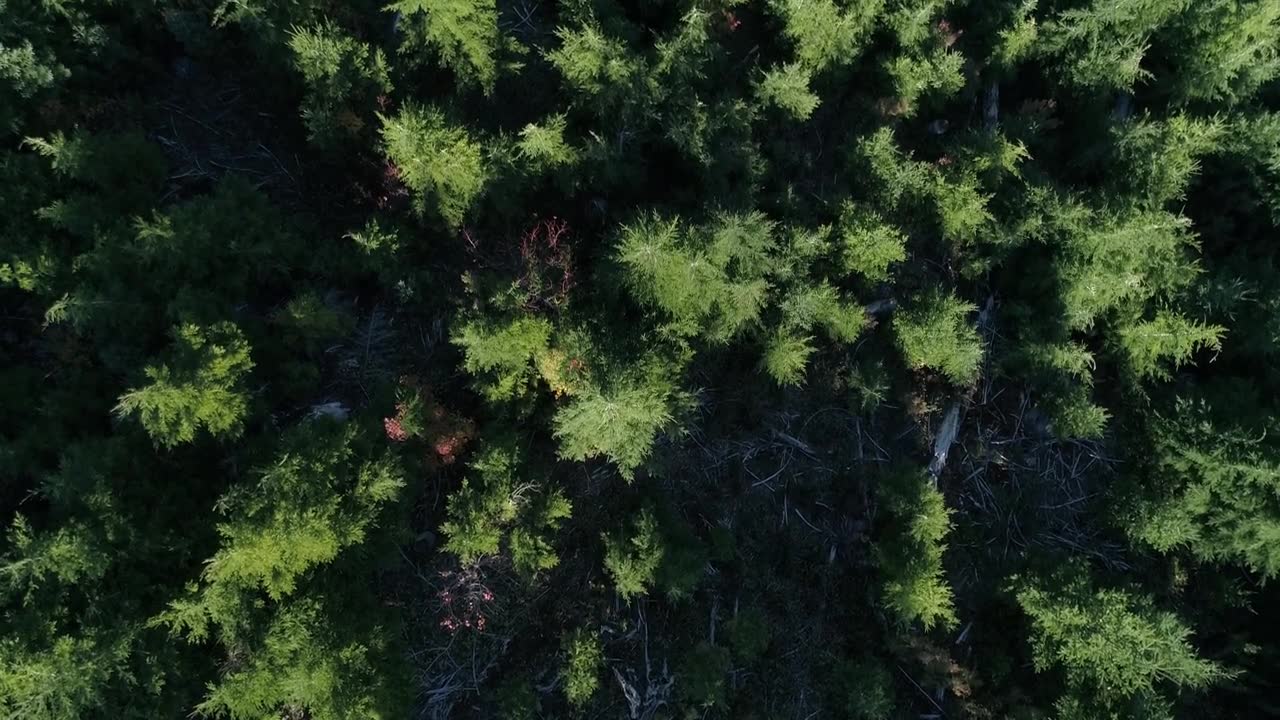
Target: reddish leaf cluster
{"type": "Point", "coordinates": [948, 34]}
{"type": "Point", "coordinates": [394, 426]}
{"type": "Point", "coordinates": [448, 433]}
{"type": "Point", "coordinates": [464, 600]}
{"type": "Point", "coordinates": [393, 188]}
{"type": "Point", "coordinates": [420, 415]}
{"type": "Point", "coordinates": [380, 184]}
{"type": "Point", "coordinates": [448, 447]}
{"type": "Point", "coordinates": [548, 263]}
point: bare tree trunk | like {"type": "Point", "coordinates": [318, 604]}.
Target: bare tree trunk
{"type": "Point", "coordinates": [991, 106]}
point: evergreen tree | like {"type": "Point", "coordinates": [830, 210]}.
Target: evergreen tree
{"type": "Point", "coordinates": [702, 674]}
{"type": "Point", "coordinates": [1123, 261]}
{"type": "Point", "coordinates": [709, 282]}
{"type": "Point", "coordinates": [1227, 50]}
{"type": "Point", "coordinates": [65, 680]}
{"type": "Point", "coordinates": [634, 555]}
{"type": "Point", "coordinates": [786, 356]}
{"type": "Point", "coordinates": [1102, 44]}
{"type": "Point", "coordinates": [583, 658]}
{"type": "Point", "coordinates": [543, 146]}
{"type": "Point", "coordinates": [1165, 337]}
{"type": "Point", "coordinates": [342, 75]}
{"type": "Point", "coordinates": [201, 387]}
{"type": "Point", "coordinates": [504, 352]}
{"type": "Point", "coordinates": [316, 499]}
{"type": "Point", "coordinates": [725, 251]}
{"type": "Point", "coordinates": [1112, 645]}
{"type": "Point", "coordinates": [870, 246]}
{"type": "Point", "coordinates": [308, 662]}
{"type": "Point", "coordinates": [910, 555]}
{"type": "Point", "coordinates": [825, 34]}
{"type": "Point", "coordinates": [598, 67]}
{"type": "Point", "coordinates": [463, 33]}
{"type": "Point", "coordinates": [867, 689]}
{"type": "Point", "coordinates": [1162, 157]}
{"type": "Point", "coordinates": [1216, 490]}
{"type": "Point", "coordinates": [501, 505]}
{"type": "Point", "coordinates": [787, 87]}
{"type": "Point", "coordinates": [934, 333]}
{"type": "Point", "coordinates": [748, 633]}
{"type": "Point", "coordinates": [439, 162]}
{"type": "Point", "coordinates": [622, 420]}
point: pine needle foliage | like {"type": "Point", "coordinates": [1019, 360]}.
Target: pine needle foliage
{"type": "Point", "coordinates": [910, 556]}
{"type": "Point", "coordinates": [462, 33]}
{"type": "Point", "coordinates": [543, 145]}
{"type": "Point", "coordinates": [870, 246]}
{"type": "Point", "coordinates": [456, 358]}
{"type": "Point", "coordinates": [200, 387]}
{"type": "Point", "coordinates": [441, 163]}
{"type": "Point", "coordinates": [342, 76]}
{"type": "Point", "coordinates": [317, 498]}
{"type": "Point", "coordinates": [620, 421]}
{"type": "Point", "coordinates": [935, 333]}
{"type": "Point", "coordinates": [1216, 498]}
{"type": "Point", "coordinates": [824, 33]}
{"type": "Point", "coordinates": [584, 657]}
{"type": "Point", "coordinates": [787, 87]}
{"type": "Point", "coordinates": [1112, 645]}
{"type": "Point", "coordinates": [633, 555]}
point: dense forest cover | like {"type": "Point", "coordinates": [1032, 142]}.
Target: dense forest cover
{"type": "Point", "coordinates": [753, 359]}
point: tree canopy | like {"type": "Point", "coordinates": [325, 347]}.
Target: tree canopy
{"type": "Point", "coordinates": [530, 359]}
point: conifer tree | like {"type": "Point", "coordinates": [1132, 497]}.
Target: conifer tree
{"type": "Point", "coordinates": [308, 662]}
{"type": "Point", "coordinates": [463, 33]}
{"type": "Point", "coordinates": [1216, 490]}
{"type": "Point", "coordinates": [599, 67]}
{"type": "Point", "coordinates": [315, 500]}
{"type": "Point", "coordinates": [503, 355]}
{"type": "Point", "coordinates": [1102, 44]}
{"type": "Point", "coordinates": [702, 674]}
{"type": "Point", "coordinates": [1162, 156]}
{"type": "Point", "coordinates": [910, 553]}
{"type": "Point", "coordinates": [543, 145]}
{"type": "Point", "coordinates": [439, 162]}
{"type": "Point", "coordinates": [65, 680]}
{"type": "Point", "coordinates": [200, 387]}
{"type": "Point", "coordinates": [787, 87]}
{"type": "Point", "coordinates": [26, 72]}
{"type": "Point", "coordinates": [1227, 50]}
{"type": "Point", "coordinates": [1148, 344]}
{"type": "Point", "coordinates": [825, 34]}
{"type": "Point", "coordinates": [583, 658]}
{"type": "Point", "coordinates": [1113, 646]}
{"type": "Point", "coordinates": [343, 76]}
{"type": "Point", "coordinates": [867, 689]}
{"type": "Point", "coordinates": [531, 541]}
{"type": "Point", "coordinates": [900, 177]}
{"type": "Point", "coordinates": [934, 332]}
{"type": "Point", "coordinates": [495, 504]}
{"type": "Point", "coordinates": [1064, 374]}
{"type": "Point", "coordinates": [869, 245]}
{"type": "Point", "coordinates": [1122, 260]}
{"type": "Point", "coordinates": [598, 213]}
{"type": "Point", "coordinates": [620, 420]}
{"type": "Point", "coordinates": [709, 281]}
{"type": "Point", "coordinates": [748, 634]}
{"type": "Point", "coordinates": [786, 356]}
{"type": "Point", "coordinates": [633, 555]}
